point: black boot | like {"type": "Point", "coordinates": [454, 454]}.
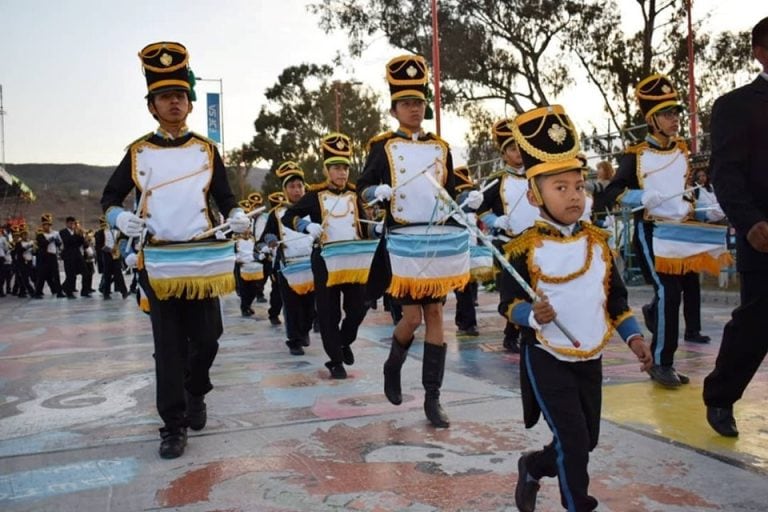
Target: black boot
{"type": "Point", "coordinates": [397, 355]}
{"type": "Point", "coordinates": [197, 414]}
{"type": "Point", "coordinates": [432, 370]}
{"type": "Point", "coordinates": [173, 442]}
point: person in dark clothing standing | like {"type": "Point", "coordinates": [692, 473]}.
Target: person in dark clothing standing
{"type": "Point", "coordinates": [73, 245]}
{"type": "Point", "coordinates": [739, 167]}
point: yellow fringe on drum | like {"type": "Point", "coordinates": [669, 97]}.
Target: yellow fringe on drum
{"type": "Point", "coordinates": [303, 289]}
{"type": "Point", "coordinates": [251, 276]}
{"type": "Point", "coordinates": [698, 263]}
{"type": "Point", "coordinates": [144, 303]}
{"type": "Point", "coordinates": [193, 287]}
{"type": "Point", "coordinates": [482, 275]}
{"type": "Point", "coordinates": [353, 276]}
{"type": "Point", "coordinates": [419, 288]}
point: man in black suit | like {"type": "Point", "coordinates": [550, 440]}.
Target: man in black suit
{"type": "Point", "coordinates": [73, 244]}
{"type": "Point", "coordinates": [740, 178]}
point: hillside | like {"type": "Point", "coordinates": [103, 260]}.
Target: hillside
{"type": "Point", "coordinates": [73, 189]}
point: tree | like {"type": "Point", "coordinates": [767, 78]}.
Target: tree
{"type": "Point", "coordinates": [302, 108]}
{"type": "Point", "coordinates": [242, 159]}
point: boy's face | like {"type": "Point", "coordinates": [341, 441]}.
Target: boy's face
{"type": "Point", "coordinates": [511, 155]}
{"type": "Point", "coordinates": [410, 113]}
{"type": "Point", "coordinates": [294, 190]}
{"type": "Point", "coordinates": [338, 174]}
{"type": "Point", "coordinates": [170, 107]}
{"type": "Point", "coordinates": [563, 194]}
{"type": "Point", "coordinates": [669, 122]}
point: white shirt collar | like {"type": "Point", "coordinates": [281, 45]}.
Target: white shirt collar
{"type": "Point", "coordinates": [565, 230]}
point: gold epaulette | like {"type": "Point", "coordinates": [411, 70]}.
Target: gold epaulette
{"type": "Point", "coordinates": [316, 187]}
{"type": "Point", "coordinates": [352, 187]}
{"type": "Point", "coordinates": [682, 144]}
{"type": "Point", "coordinates": [439, 139]}
{"type": "Point", "coordinates": [521, 243]}
{"type": "Point", "coordinates": [143, 138]}
{"type": "Point", "coordinates": [204, 138]}
{"type": "Point", "coordinates": [596, 230]}
{"type": "Point", "coordinates": [377, 138]}
{"type": "Point", "coordinates": [637, 148]}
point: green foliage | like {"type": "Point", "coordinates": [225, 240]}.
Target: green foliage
{"type": "Point", "coordinates": [302, 109]}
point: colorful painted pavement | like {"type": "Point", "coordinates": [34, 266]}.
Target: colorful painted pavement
{"type": "Point", "coordinates": [78, 429]}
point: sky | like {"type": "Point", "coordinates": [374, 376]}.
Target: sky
{"type": "Point", "coordinates": [73, 90]}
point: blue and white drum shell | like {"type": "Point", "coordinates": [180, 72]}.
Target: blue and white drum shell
{"type": "Point", "coordinates": [348, 262]}
{"type": "Point", "coordinates": [298, 274]}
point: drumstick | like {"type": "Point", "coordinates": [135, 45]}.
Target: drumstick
{"type": "Point", "coordinates": [407, 181]}
{"type": "Point", "coordinates": [499, 257]}
{"type": "Point", "coordinates": [225, 225]}
{"type": "Point", "coordinates": [483, 189]}
{"type": "Point", "coordinates": [139, 211]}
{"type": "Point", "coordinates": [667, 198]}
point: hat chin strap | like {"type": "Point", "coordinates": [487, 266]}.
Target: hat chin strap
{"type": "Point", "coordinates": [657, 128]}
{"type": "Point", "coordinates": [540, 203]}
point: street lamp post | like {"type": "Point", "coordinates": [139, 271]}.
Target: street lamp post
{"type": "Point", "coordinates": [221, 106]}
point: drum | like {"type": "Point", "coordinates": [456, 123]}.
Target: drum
{"type": "Point", "coordinates": [298, 273]}
{"type": "Point", "coordinates": [480, 263]}
{"type": "Point", "coordinates": [348, 262]}
{"type": "Point", "coordinates": [252, 271]}
{"type": "Point", "coordinates": [193, 270]}
{"type": "Point", "coordinates": [679, 248]}
{"type": "Point", "coordinates": [428, 260]}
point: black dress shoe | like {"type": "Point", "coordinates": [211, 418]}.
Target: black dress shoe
{"type": "Point", "coordinates": [722, 421]}
{"type": "Point", "coordinates": [665, 375]}
{"type": "Point", "coordinates": [274, 320]}
{"type": "Point", "coordinates": [347, 356]}
{"type": "Point", "coordinates": [172, 443]}
{"type": "Point", "coordinates": [526, 489]}
{"type": "Point", "coordinates": [469, 331]}
{"type": "Point", "coordinates": [71, 296]}
{"type": "Point", "coordinates": [512, 345]}
{"type": "Point", "coordinates": [696, 337]}
{"type": "Point", "coordinates": [294, 347]}
{"type": "Point", "coordinates": [337, 370]}
{"type": "Point", "coordinates": [197, 414]}
{"type": "Point", "coordinates": [246, 312]}
{"type": "Point", "coordinates": [684, 379]}
{"type": "Point", "coordinates": [261, 300]}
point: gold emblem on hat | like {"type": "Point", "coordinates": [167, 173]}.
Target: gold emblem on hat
{"type": "Point", "coordinates": [666, 89]}
{"type": "Point", "coordinates": [411, 71]}
{"type": "Point", "coordinates": [340, 144]}
{"type": "Point", "coordinates": [557, 133]}
{"type": "Point", "coordinates": [166, 60]}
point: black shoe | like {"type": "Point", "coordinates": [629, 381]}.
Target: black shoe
{"type": "Point", "coordinates": [125, 295]}
{"type": "Point", "coordinates": [71, 296]}
{"type": "Point", "coordinates": [37, 296]}
{"type": "Point", "coordinates": [172, 443]}
{"type": "Point", "coordinates": [347, 356]}
{"type": "Point", "coordinates": [261, 300]}
{"type": "Point", "coordinates": [305, 340]}
{"type": "Point", "coordinates": [435, 413]}
{"type": "Point", "coordinates": [107, 297]}
{"type": "Point", "coordinates": [525, 490]}
{"type": "Point", "coordinates": [295, 348]}
{"type": "Point", "coordinates": [649, 318]}
{"type": "Point", "coordinates": [683, 378]}
{"type": "Point", "coordinates": [197, 413]}
{"type": "Point", "coordinates": [722, 421]}
{"type": "Point", "coordinates": [274, 320]}
{"type": "Point", "coordinates": [512, 345]}
{"type": "Point", "coordinates": [337, 370]}
{"type": "Point", "coordinates": [246, 312]}
{"type": "Point", "coordinates": [60, 295]}
{"type": "Point", "coordinates": [696, 337]}
{"type": "Point", "coordinates": [469, 331]}
{"type": "Point", "coordinates": [86, 295]}
{"type": "Point", "coordinates": [665, 375]}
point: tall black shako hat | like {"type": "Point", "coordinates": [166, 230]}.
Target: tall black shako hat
{"type": "Point", "coordinates": [548, 143]}
{"type": "Point", "coordinates": [289, 171]}
{"type": "Point", "coordinates": [337, 149]}
{"type": "Point", "coordinates": [463, 178]}
{"type": "Point", "coordinates": [502, 133]}
{"type": "Point", "coordinates": [408, 77]}
{"type": "Point", "coordinates": [166, 68]}
{"type": "Point", "coordinates": [657, 94]}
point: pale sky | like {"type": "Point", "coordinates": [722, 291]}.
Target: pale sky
{"type": "Point", "coordinates": [73, 89]}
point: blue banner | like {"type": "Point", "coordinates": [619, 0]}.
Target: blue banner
{"type": "Point", "coordinates": [214, 116]}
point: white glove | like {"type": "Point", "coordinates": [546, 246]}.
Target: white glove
{"type": "Point", "coordinates": [129, 224]}
{"type": "Point", "coordinates": [474, 199]}
{"type": "Point", "coordinates": [715, 214]}
{"type": "Point", "coordinates": [131, 260]}
{"type": "Point", "coordinates": [266, 250]}
{"type": "Point", "coordinates": [502, 223]}
{"type": "Point", "coordinates": [238, 221]}
{"type": "Point", "coordinates": [383, 192]}
{"type": "Point", "coordinates": [651, 199]}
{"type": "Point", "coordinates": [314, 230]}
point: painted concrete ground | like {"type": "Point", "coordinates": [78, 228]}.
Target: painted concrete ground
{"type": "Point", "coordinates": [78, 429]}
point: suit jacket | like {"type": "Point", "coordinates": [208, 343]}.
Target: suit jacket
{"type": "Point", "coordinates": [739, 164]}
{"type": "Point", "coordinates": [72, 245]}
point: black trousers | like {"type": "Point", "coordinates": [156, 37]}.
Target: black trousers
{"type": "Point", "coordinates": [691, 302]}
{"type": "Point", "coordinates": [47, 271]}
{"type": "Point", "coordinates": [335, 332]}
{"type": "Point", "coordinates": [113, 274]}
{"type": "Point", "coordinates": [744, 344]}
{"type": "Point", "coordinates": [72, 267]}
{"type": "Point", "coordinates": [466, 316]}
{"type": "Point", "coordinates": [570, 397]}
{"type": "Point", "coordinates": [247, 292]}
{"type": "Point", "coordinates": [298, 311]}
{"type": "Point", "coordinates": [186, 335]}
{"type": "Point", "coordinates": [665, 308]}
{"type": "Point", "coordinates": [23, 274]}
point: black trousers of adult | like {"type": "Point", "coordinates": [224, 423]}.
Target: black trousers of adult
{"type": "Point", "coordinates": [691, 302]}
{"type": "Point", "coordinates": [47, 271]}
{"type": "Point", "coordinates": [570, 397]}
{"type": "Point", "coordinates": [113, 273]}
{"type": "Point", "coordinates": [466, 316]}
{"type": "Point", "coordinates": [186, 335]}
{"type": "Point", "coordinates": [665, 307]}
{"type": "Point", "coordinates": [72, 267]}
{"type": "Point", "coordinates": [22, 283]}
{"type": "Point", "coordinates": [87, 279]}
{"type": "Point", "coordinates": [744, 344]}
{"type": "Point", "coordinates": [298, 312]}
